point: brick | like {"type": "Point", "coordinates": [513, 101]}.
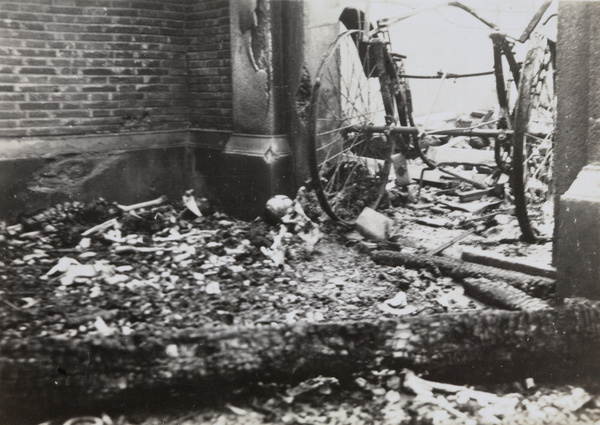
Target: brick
{"type": "Point", "coordinates": [38, 122]}
{"type": "Point", "coordinates": [7, 124]}
{"type": "Point", "coordinates": [36, 53]}
{"type": "Point", "coordinates": [102, 113]}
{"type": "Point", "coordinates": [63, 80]}
{"type": "Point", "coordinates": [38, 114]}
{"type": "Point", "coordinates": [11, 97]}
{"type": "Point", "coordinates": [152, 71]}
{"type": "Point", "coordinates": [66, 105]}
{"type": "Point", "coordinates": [63, 10]}
{"type": "Point", "coordinates": [98, 71]}
{"type": "Point", "coordinates": [14, 79]}
{"type": "Point", "coordinates": [38, 97]}
{"type": "Point", "coordinates": [124, 80]}
{"type": "Point", "coordinates": [32, 26]}
{"type": "Point", "coordinates": [127, 96]}
{"type": "Point", "coordinates": [96, 37]}
{"type": "Point", "coordinates": [37, 70]}
{"type": "Point", "coordinates": [71, 114]}
{"type": "Point", "coordinates": [105, 88]}
{"type": "Point", "coordinates": [36, 62]}
{"type": "Point", "coordinates": [99, 96]}
{"type": "Point", "coordinates": [39, 106]}
{"type": "Point", "coordinates": [69, 97]}
{"type": "Point", "coordinates": [7, 115]}
{"type": "Point", "coordinates": [98, 81]}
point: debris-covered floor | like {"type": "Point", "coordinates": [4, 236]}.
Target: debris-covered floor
{"type": "Point", "coordinates": [153, 270]}
{"type": "Point", "coordinates": [94, 272]}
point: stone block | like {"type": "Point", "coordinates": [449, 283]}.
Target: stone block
{"type": "Point", "coordinates": [578, 246]}
{"type": "Point", "coordinates": [374, 225]}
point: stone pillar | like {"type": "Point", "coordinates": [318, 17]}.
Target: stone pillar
{"type": "Point", "coordinates": [256, 161]}
{"type": "Point", "coordinates": [577, 150]}
{"type": "Point", "coordinates": [276, 48]}
{"type": "Point", "coordinates": [256, 67]}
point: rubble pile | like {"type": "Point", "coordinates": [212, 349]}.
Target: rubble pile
{"type": "Point", "coordinates": [384, 397]}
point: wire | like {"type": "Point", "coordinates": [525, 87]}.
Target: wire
{"type": "Point", "coordinates": [422, 131]}
{"type": "Point", "coordinates": [472, 27]}
{"type": "Point", "coordinates": [448, 76]}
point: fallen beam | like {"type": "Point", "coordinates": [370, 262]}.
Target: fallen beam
{"type": "Point", "coordinates": [502, 295]}
{"type": "Point", "coordinates": [516, 264]}
{"type": "Point", "coordinates": [540, 287]}
{"type": "Point", "coordinates": [465, 348]}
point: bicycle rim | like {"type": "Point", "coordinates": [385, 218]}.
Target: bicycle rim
{"type": "Point", "coordinates": [531, 178]}
{"type": "Point", "coordinates": [349, 165]}
{"type": "Point", "coordinates": [506, 92]}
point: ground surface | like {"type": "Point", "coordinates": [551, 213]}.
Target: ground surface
{"type": "Point", "coordinates": [162, 268]}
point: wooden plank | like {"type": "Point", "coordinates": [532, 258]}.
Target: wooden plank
{"type": "Point", "coordinates": [445, 155]}
{"type": "Point", "coordinates": [435, 177]}
{"type": "Point", "coordinates": [522, 265]}
{"type": "Point", "coordinates": [475, 207]}
{"type": "Point", "coordinates": [475, 195]}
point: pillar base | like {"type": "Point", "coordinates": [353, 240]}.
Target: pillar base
{"type": "Point", "coordinates": [578, 245]}
{"type": "Point", "coordinates": [245, 170]}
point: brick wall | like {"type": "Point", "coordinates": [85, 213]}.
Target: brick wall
{"type": "Point", "coordinates": [112, 66]}
{"type": "Point", "coordinates": [209, 64]}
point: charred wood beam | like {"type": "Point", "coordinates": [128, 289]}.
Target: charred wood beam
{"type": "Point", "coordinates": [464, 348]}
{"type": "Point", "coordinates": [502, 295]}
{"type": "Point", "coordinates": [540, 287]}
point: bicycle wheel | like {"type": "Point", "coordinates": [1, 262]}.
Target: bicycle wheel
{"type": "Point", "coordinates": [350, 164]}
{"type": "Point", "coordinates": [533, 139]}
{"type": "Point", "coordinates": [506, 74]}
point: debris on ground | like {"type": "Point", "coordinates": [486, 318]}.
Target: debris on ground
{"type": "Point", "coordinates": [93, 271]}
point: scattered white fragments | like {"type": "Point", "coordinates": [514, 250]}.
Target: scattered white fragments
{"type": "Point", "coordinates": [102, 327]}
{"type": "Point", "coordinates": [213, 288]}
{"type": "Point", "coordinates": [172, 351]}
{"type": "Point", "coordinates": [399, 300]}
{"type": "Point", "coordinates": [73, 269]}
{"type": "Point", "coordinates": [281, 209]}
{"type": "Point", "coordinates": [190, 202]}
{"type": "Point", "coordinates": [276, 252]}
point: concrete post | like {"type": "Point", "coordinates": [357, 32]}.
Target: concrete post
{"type": "Point", "coordinates": [577, 151]}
